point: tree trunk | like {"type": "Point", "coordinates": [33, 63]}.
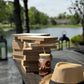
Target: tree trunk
{"type": "Point", "coordinates": [26, 18]}
{"type": "Point", "coordinates": [17, 17]}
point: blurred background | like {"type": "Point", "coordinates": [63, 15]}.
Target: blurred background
{"type": "Point", "coordinates": [56, 17]}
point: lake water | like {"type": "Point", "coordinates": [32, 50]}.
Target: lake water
{"type": "Point", "coordinates": [58, 32]}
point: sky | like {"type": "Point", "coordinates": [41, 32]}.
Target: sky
{"type": "Point", "coordinates": [50, 7]}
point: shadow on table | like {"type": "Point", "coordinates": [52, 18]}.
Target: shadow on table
{"type": "Point", "coordinates": [55, 61]}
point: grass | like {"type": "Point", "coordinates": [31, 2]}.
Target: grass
{"type": "Point", "coordinates": [42, 26]}
{"type": "Point", "coordinates": [6, 26]}
{"type": "Point", "coordinates": [64, 44]}
{"type": "Point", "coordinates": [64, 26]}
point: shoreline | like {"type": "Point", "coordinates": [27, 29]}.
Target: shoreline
{"type": "Point", "coordinates": [41, 26]}
{"type": "Point", "coordinates": [55, 26]}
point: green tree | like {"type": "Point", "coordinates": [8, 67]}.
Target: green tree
{"type": "Point", "coordinates": [43, 18]}
{"type": "Point", "coordinates": [2, 10]}
{"type": "Point", "coordinates": [35, 14]}
{"type": "Point", "coordinates": [31, 18]}
{"type": "Point", "coordinates": [9, 12]}
{"type": "Point", "coordinates": [75, 19]}
{"type": "Point", "coordinates": [37, 17]}
{"type": "Point", "coordinates": [78, 8]}
{"type": "Point", "coordinates": [53, 22]}
{"type": "Point", "coordinates": [1, 32]}
{"type": "Point", "coordinates": [62, 15]}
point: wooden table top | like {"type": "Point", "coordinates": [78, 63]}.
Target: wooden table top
{"type": "Point", "coordinates": [30, 34]}
{"type": "Point", "coordinates": [67, 56]}
{"type": "Point", "coordinates": [29, 78]}
{"type": "Point", "coordinates": [32, 78]}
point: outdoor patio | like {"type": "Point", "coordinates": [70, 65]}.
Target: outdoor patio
{"type": "Point", "coordinates": [61, 23]}
{"type": "Point", "coordinates": [9, 73]}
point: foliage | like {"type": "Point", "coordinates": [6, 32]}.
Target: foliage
{"type": "Point", "coordinates": [37, 17]}
{"type": "Point", "coordinates": [68, 16]}
{"type": "Point", "coordinates": [62, 16]}
{"type": "Point", "coordinates": [31, 17]}
{"type": "Point", "coordinates": [1, 32]}
{"type": "Point", "coordinates": [78, 8]}
{"type": "Point", "coordinates": [53, 22]}
{"type": "Point", "coordinates": [43, 18]}
{"type": "Point", "coordinates": [2, 10]}
{"type": "Point", "coordinates": [9, 12]}
{"type": "Point", "coordinates": [75, 19]}
{"type": "Point", "coordinates": [6, 12]}
{"type": "Point", "coordinates": [77, 38]}
{"type": "Point", "coordinates": [35, 14]}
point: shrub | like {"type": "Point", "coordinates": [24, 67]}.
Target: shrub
{"type": "Point", "coordinates": [1, 32]}
{"type": "Point", "coordinates": [77, 38]}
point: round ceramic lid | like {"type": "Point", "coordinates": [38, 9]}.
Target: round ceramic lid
{"type": "Point", "coordinates": [44, 55]}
